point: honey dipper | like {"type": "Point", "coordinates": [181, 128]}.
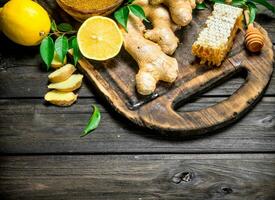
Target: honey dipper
{"type": "Point", "coordinates": [254, 39]}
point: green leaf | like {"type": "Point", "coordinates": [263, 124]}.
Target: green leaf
{"type": "Point", "coordinates": [64, 27]}
{"type": "Point", "coordinates": [47, 51]}
{"type": "Point", "coordinates": [53, 26]}
{"type": "Point", "coordinates": [265, 4]}
{"type": "Point", "coordinates": [130, 1]}
{"type": "Point", "coordinates": [238, 3]}
{"type": "Point", "coordinates": [70, 42]}
{"type": "Point", "coordinates": [138, 11]}
{"type": "Point", "coordinates": [93, 121]}
{"type": "Point", "coordinates": [252, 11]}
{"type": "Point", "coordinates": [61, 47]}
{"type": "Point", "coordinates": [201, 6]}
{"type": "Point", "coordinates": [76, 52]}
{"type": "Point", "coordinates": [217, 1]}
{"type": "Point", "coordinates": [121, 16]}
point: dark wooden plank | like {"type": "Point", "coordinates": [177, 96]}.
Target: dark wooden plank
{"type": "Point", "coordinates": [29, 81]}
{"type": "Point", "coordinates": [29, 126]}
{"type": "Point", "coordinates": [267, 20]}
{"type": "Point", "coordinates": [138, 177]}
{"type": "Point", "coordinates": [18, 81]}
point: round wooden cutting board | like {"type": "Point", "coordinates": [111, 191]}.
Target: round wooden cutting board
{"type": "Point", "coordinates": [115, 79]}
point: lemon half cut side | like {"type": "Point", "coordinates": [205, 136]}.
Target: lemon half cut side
{"type": "Point", "coordinates": [99, 38]}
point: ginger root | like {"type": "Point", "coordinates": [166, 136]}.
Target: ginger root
{"type": "Point", "coordinates": [180, 10]}
{"type": "Point", "coordinates": [163, 27]}
{"type": "Point", "coordinates": [56, 62]}
{"type": "Point", "coordinates": [69, 85]}
{"type": "Point", "coordinates": [60, 98]}
{"type": "Point", "coordinates": [62, 73]}
{"type": "Point", "coordinates": [154, 64]}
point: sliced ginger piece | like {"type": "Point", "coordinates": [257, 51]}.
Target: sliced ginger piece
{"type": "Point", "coordinates": [60, 98]}
{"type": "Point", "coordinates": [56, 62]}
{"type": "Point", "coordinates": [69, 85]}
{"type": "Point", "coordinates": [62, 73]}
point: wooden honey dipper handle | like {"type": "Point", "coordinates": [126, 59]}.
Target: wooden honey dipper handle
{"type": "Point", "coordinates": [254, 39]}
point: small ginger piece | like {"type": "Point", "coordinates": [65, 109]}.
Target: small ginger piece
{"type": "Point", "coordinates": [62, 73]}
{"type": "Point", "coordinates": [69, 85]}
{"type": "Point", "coordinates": [60, 98]}
{"type": "Point", "coordinates": [180, 10]}
{"type": "Point", "coordinates": [56, 62]}
{"type": "Point", "coordinates": [163, 27]}
{"type": "Point", "coordinates": [154, 64]}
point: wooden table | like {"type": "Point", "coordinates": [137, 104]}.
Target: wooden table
{"type": "Point", "coordinates": [43, 157]}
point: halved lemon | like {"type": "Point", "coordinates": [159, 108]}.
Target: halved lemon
{"type": "Point", "coordinates": [99, 38]}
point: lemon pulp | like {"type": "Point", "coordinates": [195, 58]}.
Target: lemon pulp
{"type": "Point", "coordinates": [99, 38]}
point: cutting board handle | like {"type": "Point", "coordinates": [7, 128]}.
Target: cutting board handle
{"type": "Point", "coordinates": [163, 116]}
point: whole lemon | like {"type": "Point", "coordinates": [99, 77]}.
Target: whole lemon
{"type": "Point", "coordinates": [24, 22]}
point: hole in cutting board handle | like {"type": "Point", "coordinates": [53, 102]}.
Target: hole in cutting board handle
{"type": "Point", "coordinates": [213, 95]}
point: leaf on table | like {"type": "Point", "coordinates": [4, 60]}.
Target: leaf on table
{"type": "Point", "coordinates": [121, 16]}
{"type": "Point", "coordinates": [47, 51]}
{"type": "Point", "coordinates": [93, 121]}
{"type": "Point", "coordinates": [61, 47]}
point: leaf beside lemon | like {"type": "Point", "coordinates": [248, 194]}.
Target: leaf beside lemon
{"type": "Point", "coordinates": [99, 38]}
{"type": "Point", "coordinates": [24, 22]}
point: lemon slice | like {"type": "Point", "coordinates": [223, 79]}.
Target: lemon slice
{"type": "Point", "coordinates": [99, 38]}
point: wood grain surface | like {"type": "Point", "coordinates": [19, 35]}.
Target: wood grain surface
{"type": "Point", "coordinates": [43, 157]}
{"type": "Point", "coordinates": [139, 177]}
{"type": "Point", "coordinates": [30, 126]}
{"type": "Point", "coordinates": [17, 79]}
